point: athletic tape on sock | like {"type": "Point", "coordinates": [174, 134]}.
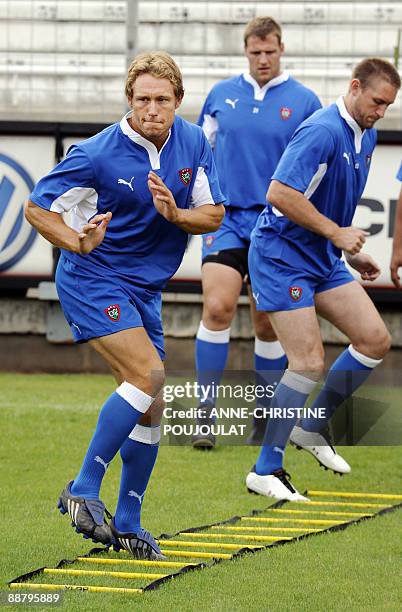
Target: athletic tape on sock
{"type": "Point", "coordinates": [268, 350]}
{"type": "Point", "coordinates": [135, 397]}
{"type": "Point", "coordinates": [216, 337]}
{"type": "Point", "coordinates": [297, 382]}
{"type": "Point", "coordinates": [369, 362]}
{"type": "Point", "coordinates": [146, 435]}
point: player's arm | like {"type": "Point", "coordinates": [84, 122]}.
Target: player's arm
{"type": "Point", "coordinates": [51, 226]}
{"type": "Point", "coordinates": [57, 193]}
{"type": "Point", "coordinates": [205, 218]}
{"type": "Point", "coordinates": [296, 207]}
{"type": "Point", "coordinates": [200, 220]}
{"type": "Point", "coordinates": [362, 262]}
{"type": "Point", "coordinates": [396, 258]}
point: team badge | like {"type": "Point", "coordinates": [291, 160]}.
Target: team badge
{"type": "Point", "coordinates": [368, 160]}
{"type": "Point", "coordinates": [285, 113]}
{"type": "Point", "coordinates": [113, 312]}
{"type": "Point", "coordinates": [209, 240]}
{"type": "Point", "coordinates": [295, 293]}
{"type": "Point", "coordinates": [185, 175]}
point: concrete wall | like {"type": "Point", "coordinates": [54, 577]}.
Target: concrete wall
{"type": "Point", "coordinates": [27, 325]}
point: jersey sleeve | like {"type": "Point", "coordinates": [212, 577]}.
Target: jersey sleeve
{"type": "Point", "coordinates": [206, 189]}
{"type": "Point", "coordinates": [68, 185]}
{"type": "Point", "coordinates": [399, 175]}
{"type": "Point", "coordinates": [207, 120]}
{"type": "Point", "coordinates": [315, 104]}
{"type": "Point", "coordinates": [305, 158]}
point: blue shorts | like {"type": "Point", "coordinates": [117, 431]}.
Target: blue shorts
{"type": "Point", "coordinates": [96, 306]}
{"type": "Point", "coordinates": [277, 286]}
{"type": "Point", "coordinates": [234, 233]}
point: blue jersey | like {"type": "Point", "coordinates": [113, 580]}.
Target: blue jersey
{"type": "Point", "coordinates": [328, 160]}
{"type": "Point", "coordinates": [249, 127]}
{"type": "Point", "coordinates": [109, 172]}
{"type": "Point", "coordinates": [399, 175]}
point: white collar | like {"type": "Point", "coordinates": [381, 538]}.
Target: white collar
{"type": "Point", "coordinates": [153, 153]}
{"type": "Point", "coordinates": [259, 92]}
{"type": "Point", "coordinates": [352, 123]}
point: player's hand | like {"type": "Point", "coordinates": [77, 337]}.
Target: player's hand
{"type": "Point", "coordinates": [349, 239]}
{"type": "Point", "coordinates": [365, 264]}
{"type": "Point", "coordinates": [93, 233]}
{"type": "Point", "coordinates": [396, 262]}
{"type": "Point", "coordinates": [164, 201]}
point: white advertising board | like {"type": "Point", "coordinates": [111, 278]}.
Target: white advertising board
{"type": "Point", "coordinates": [376, 210]}
{"type": "Point", "coordinates": [23, 161]}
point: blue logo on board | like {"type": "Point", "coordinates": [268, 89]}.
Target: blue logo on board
{"type": "Point", "coordinates": [16, 235]}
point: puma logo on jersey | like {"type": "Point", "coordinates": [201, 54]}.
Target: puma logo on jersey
{"type": "Point", "coordinates": [232, 103]}
{"type": "Point", "coordinates": [347, 157]}
{"type": "Point", "coordinates": [124, 182]}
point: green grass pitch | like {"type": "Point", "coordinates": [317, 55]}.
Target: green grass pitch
{"type": "Point", "coordinates": [46, 423]}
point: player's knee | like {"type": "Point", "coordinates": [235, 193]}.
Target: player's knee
{"type": "Point", "coordinates": [380, 344]}
{"type": "Point", "coordinates": [218, 312]}
{"type": "Point", "coordinates": [263, 330]}
{"type": "Point", "coordinates": [385, 342]}
{"type": "Point", "coordinates": [377, 344]}
{"type": "Point", "coordinates": [149, 380]}
{"type": "Point", "coordinates": [310, 365]}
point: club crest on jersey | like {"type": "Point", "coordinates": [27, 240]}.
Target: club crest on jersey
{"type": "Point", "coordinates": [295, 293]}
{"type": "Point", "coordinates": [209, 240]}
{"type": "Point", "coordinates": [185, 175]}
{"type": "Point", "coordinates": [285, 113]}
{"type": "Point", "coordinates": [113, 312]}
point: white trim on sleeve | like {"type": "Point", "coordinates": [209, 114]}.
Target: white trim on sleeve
{"type": "Point", "coordinates": [210, 128]}
{"type": "Point", "coordinates": [73, 197]}
{"type": "Point", "coordinates": [201, 193]}
{"type": "Point", "coordinates": [316, 180]}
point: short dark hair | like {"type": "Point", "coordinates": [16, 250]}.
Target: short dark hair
{"type": "Point", "coordinates": [373, 67]}
{"type": "Point", "coordinates": [262, 27]}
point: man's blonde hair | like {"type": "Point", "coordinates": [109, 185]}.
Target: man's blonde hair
{"type": "Point", "coordinates": [160, 65]}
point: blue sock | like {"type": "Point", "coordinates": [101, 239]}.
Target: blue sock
{"type": "Point", "coordinates": [348, 372]}
{"type": "Point", "coordinates": [116, 420]}
{"type": "Point", "coordinates": [139, 454]}
{"type": "Point", "coordinates": [270, 362]}
{"type": "Point", "coordinates": [292, 392]}
{"type": "Point", "coordinates": [211, 352]}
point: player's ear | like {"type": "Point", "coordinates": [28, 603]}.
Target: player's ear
{"type": "Point", "coordinates": [178, 102]}
{"type": "Point", "coordinates": [282, 47]}
{"type": "Point", "coordinates": [355, 86]}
